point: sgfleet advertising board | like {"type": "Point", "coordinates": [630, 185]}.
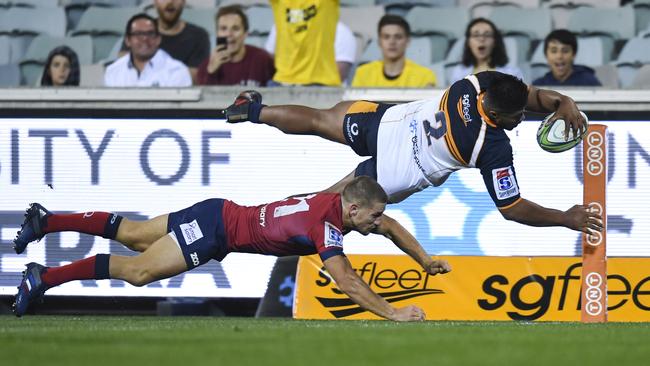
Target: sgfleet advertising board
{"type": "Point", "coordinates": [145, 167]}
{"type": "Point", "coordinates": [477, 288]}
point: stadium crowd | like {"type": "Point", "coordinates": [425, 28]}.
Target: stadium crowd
{"type": "Point", "coordinates": [357, 43]}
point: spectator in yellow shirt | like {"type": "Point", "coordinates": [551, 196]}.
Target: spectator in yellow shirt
{"type": "Point", "coordinates": [395, 70]}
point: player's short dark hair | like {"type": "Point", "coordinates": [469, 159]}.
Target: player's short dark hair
{"type": "Point", "coordinates": [499, 55]}
{"type": "Point", "coordinates": [141, 16]}
{"type": "Point", "coordinates": [563, 36]}
{"type": "Point", "coordinates": [233, 9]}
{"type": "Point", "coordinates": [392, 19]}
{"type": "Point", "coordinates": [365, 191]}
{"type": "Point", "coordinates": [507, 93]}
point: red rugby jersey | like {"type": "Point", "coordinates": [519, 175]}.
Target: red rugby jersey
{"type": "Point", "coordinates": [294, 226]}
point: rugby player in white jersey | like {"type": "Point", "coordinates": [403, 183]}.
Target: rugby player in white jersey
{"type": "Point", "coordinates": [419, 144]}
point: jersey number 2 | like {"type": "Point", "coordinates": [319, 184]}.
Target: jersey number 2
{"type": "Point", "coordinates": [301, 206]}
{"type": "Point", "coordinates": [438, 129]}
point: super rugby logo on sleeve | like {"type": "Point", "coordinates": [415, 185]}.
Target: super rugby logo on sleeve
{"type": "Point", "coordinates": [333, 236]}
{"type": "Point", "coordinates": [191, 232]}
{"type": "Point", "coordinates": [505, 184]}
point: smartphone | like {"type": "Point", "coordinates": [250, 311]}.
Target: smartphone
{"type": "Point", "coordinates": [221, 42]}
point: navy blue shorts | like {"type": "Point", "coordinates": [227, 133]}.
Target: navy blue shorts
{"type": "Point", "coordinates": [360, 128]}
{"type": "Point", "coordinates": [199, 231]}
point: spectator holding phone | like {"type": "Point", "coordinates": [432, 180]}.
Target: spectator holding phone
{"type": "Point", "coordinates": [232, 62]}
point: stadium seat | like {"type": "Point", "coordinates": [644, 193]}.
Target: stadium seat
{"type": "Point", "coordinates": [203, 18]}
{"type": "Point", "coordinates": [105, 26]}
{"type": "Point", "coordinates": [439, 69]}
{"type": "Point", "coordinates": [455, 53]}
{"type": "Point", "coordinates": [203, 4]}
{"type": "Point", "coordinates": [31, 3]}
{"type": "Point", "coordinates": [357, 2]}
{"type": "Point", "coordinates": [641, 14]}
{"type": "Point", "coordinates": [517, 49]}
{"type": "Point", "coordinates": [244, 3]}
{"type": "Point", "coordinates": [449, 22]}
{"type": "Point", "coordinates": [260, 20]}
{"type": "Point", "coordinates": [450, 25]}
{"type": "Point", "coordinates": [520, 27]}
{"type": "Point", "coordinates": [402, 7]}
{"type": "Point", "coordinates": [592, 3]}
{"type": "Point", "coordinates": [635, 51]}
{"type": "Point", "coordinates": [632, 57]}
{"type": "Point", "coordinates": [420, 50]}
{"type": "Point", "coordinates": [91, 76]}
{"type": "Point", "coordinates": [607, 75]}
{"type": "Point", "coordinates": [642, 78]}
{"type": "Point", "coordinates": [534, 24]}
{"type": "Point", "coordinates": [482, 8]}
{"type": "Point", "coordinates": [371, 53]}
{"type": "Point", "coordinates": [19, 33]}
{"type": "Point", "coordinates": [5, 46]}
{"type": "Point", "coordinates": [617, 23]}
{"type": "Point", "coordinates": [42, 45]}
{"type": "Point", "coordinates": [257, 41]}
{"type": "Point", "coordinates": [32, 64]}
{"type": "Point", "coordinates": [537, 65]}
{"type": "Point", "coordinates": [365, 29]}
{"type": "Point", "coordinates": [592, 52]}
{"type": "Point", "coordinates": [9, 75]}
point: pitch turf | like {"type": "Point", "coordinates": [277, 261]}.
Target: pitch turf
{"type": "Point", "coordinates": [182, 341]}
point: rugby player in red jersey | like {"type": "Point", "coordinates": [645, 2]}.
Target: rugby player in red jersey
{"type": "Point", "coordinates": [416, 145]}
{"type": "Point", "coordinates": [173, 243]}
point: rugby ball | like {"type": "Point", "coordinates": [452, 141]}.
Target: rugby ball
{"type": "Point", "coordinates": [550, 136]}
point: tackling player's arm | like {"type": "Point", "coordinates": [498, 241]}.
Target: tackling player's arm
{"type": "Point", "coordinates": [351, 284]}
{"type": "Point", "coordinates": [394, 231]}
{"type": "Point", "coordinates": [546, 101]}
{"type": "Point", "coordinates": [578, 217]}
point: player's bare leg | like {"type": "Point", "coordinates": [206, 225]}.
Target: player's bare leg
{"type": "Point", "coordinates": [300, 120]}
{"type": "Point", "coordinates": [139, 235]}
{"type": "Point", "coordinates": [163, 259]}
{"type": "Point", "coordinates": [291, 119]}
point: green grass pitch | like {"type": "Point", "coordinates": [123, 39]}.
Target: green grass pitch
{"type": "Point", "coordinates": [189, 341]}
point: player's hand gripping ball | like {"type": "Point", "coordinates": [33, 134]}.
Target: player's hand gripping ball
{"type": "Point", "coordinates": [550, 136]}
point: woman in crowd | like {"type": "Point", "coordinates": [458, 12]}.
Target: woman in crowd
{"type": "Point", "coordinates": [484, 50]}
{"type": "Point", "coordinates": [61, 68]}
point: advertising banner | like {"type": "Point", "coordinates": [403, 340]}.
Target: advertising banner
{"type": "Point", "coordinates": [141, 168]}
{"type": "Point", "coordinates": [477, 288]}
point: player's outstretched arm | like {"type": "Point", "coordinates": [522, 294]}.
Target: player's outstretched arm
{"type": "Point", "coordinates": [351, 284]}
{"type": "Point", "coordinates": [578, 217]}
{"type": "Point", "coordinates": [546, 101]}
{"type": "Point", "coordinates": [394, 231]}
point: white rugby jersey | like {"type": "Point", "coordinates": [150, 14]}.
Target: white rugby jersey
{"type": "Point", "coordinates": [420, 144]}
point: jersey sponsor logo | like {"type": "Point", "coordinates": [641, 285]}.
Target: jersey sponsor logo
{"type": "Point", "coordinates": [467, 116]}
{"type": "Point", "coordinates": [191, 232]}
{"type": "Point", "coordinates": [263, 216]}
{"type": "Point", "coordinates": [195, 258]}
{"type": "Point", "coordinates": [333, 236]}
{"type": "Point", "coordinates": [352, 129]}
{"type": "Point", "coordinates": [505, 184]}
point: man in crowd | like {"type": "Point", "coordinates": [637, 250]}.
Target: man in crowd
{"type": "Point", "coordinates": [345, 48]}
{"type": "Point", "coordinates": [560, 49]}
{"type": "Point", "coordinates": [183, 41]}
{"type": "Point", "coordinates": [234, 62]}
{"type": "Point", "coordinates": [146, 64]}
{"type": "Point", "coordinates": [304, 49]}
{"type": "Point", "coordinates": [395, 70]}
